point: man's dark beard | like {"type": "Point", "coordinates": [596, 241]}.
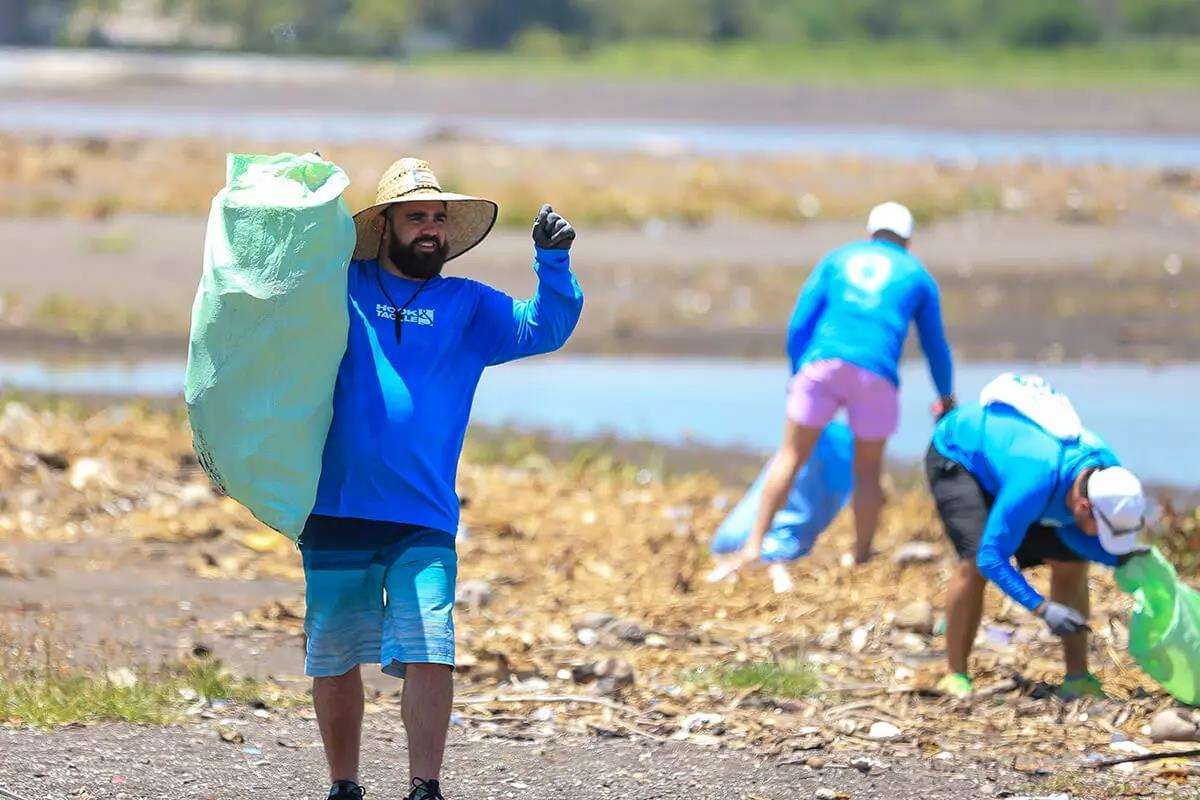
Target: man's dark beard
{"type": "Point", "coordinates": [416, 264]}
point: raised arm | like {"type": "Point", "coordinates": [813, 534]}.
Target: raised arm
{"type": "Point", "coordinates": [809, 306]}
{"type": "Point", "coordinates": [512, 328]}
{"type": "Point", "coordinates": [508, 328]}
{"type": "Point", "coordinates": [932, 334]}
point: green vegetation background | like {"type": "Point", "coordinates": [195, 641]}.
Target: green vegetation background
{"type": "Point", "coordinates": [956, 41]}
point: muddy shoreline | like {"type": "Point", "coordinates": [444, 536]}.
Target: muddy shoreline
{"type": "Point", "coordinates": [1037, 292]}
{"type": "Point", "coordinates": [161, 81]}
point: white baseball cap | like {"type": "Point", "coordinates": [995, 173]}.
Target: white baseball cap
{"type": "Point", "coordinates": [892, 217]}
{"type": "Point", "coordinates": [1119, 507]}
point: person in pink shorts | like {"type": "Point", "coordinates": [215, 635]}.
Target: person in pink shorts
{"type": "Point", "coordinates": [844, 345]}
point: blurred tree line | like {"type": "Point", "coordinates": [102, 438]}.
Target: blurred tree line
{"type": "Point", "coordinates": [396, 27]}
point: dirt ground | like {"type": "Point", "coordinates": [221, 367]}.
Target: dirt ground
{"type": "Point", "coordinates": [281, 759]}
{"type": "Point", "coordinates": [123, 601]}
{"type": "Point", "coordinates": [115, 552]}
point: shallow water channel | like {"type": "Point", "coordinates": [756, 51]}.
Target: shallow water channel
{"type": "Point", "coordinates": [78, 118]}
{"type": "Point", "coordinates": [1148, 414]}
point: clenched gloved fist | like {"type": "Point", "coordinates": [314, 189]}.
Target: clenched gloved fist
{"type": "Point", "coordinates": [551, 231]}
{"type": "Point", "coordinates": [1062, 620]}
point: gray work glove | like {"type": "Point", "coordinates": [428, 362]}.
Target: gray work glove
{"type": "Point", "coordinates": [1062, 620]}
{"type": "Point", "coordinates": [551, 231]}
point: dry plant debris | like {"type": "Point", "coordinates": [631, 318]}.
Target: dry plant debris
{"type": "Point", "coordinates": [589, 610]}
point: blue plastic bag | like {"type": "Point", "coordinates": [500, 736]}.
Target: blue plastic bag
{"type": "Point", "coordinates": [822, 487]}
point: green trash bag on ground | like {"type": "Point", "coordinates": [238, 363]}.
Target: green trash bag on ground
{"type": "Point", "coordinates": [269, 328]}
{"type": "Point", "coordinates": [1164, 633]}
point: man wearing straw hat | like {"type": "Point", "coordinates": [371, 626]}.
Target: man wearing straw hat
{"type": "Point", "coordinates": [378, 550]}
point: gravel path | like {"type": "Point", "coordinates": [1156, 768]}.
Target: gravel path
{"type": "Point", "coordinates": [281, 758]}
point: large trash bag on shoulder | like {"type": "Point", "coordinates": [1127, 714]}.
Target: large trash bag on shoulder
{"type": "Point", "coordinates": [820, 491]}
{"type": "Point", "coordinates": [1164, 632]}
{"type": "Point", "coordinates": [269, 328]}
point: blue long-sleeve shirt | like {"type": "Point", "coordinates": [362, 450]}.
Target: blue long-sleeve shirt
{"type": "Point", "coordinates": [857, 305]}
{"type": "Point", "coordinates": [400, 411]}
{"type": "Point", "coordinates": [1029, 473]}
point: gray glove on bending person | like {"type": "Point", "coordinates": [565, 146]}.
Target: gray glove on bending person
{"type": "Point", "coordinates": [1062, 620]}
{"type": "Point", "coordinates": [551, 231]}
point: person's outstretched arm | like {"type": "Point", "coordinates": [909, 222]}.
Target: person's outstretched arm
{"type": "Point", "coordinates": [1016, 508]}
{"type": "Point", "coordinates": [809, 307]}
{"type": "Point", "coordinates": [509, 328]}
{"type": "Point", "coordinates": [932, 333]}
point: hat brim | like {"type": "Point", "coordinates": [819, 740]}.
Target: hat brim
{"type": "Point", "coordinates": [469, 221]}
{"type": "Point", "coordinates": [1117, 544]}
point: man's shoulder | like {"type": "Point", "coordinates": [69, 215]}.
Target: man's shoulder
{"type": "Point", "coordinates": [360, 268]}
{"type": "Point", "coordinates": [897, 255]}
{"type": "Point", "coordinates": [846, 250]}
{"type": "Point", "coordinates": [357, 274]}
{"type": "Point", "coordinates": [1093, 448]}
{"type": "Point", "coordinates": [833, 262]}
{"type": "Point", "coordinates": [459, 283]}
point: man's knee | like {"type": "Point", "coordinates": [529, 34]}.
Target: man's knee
{"type": "Point", "coordinates": [869, 493]}
{"type": "Point", "coordinates": [1069, 583]}
{"type": "Point", "coordinates": [346, 677]}
{"type": "Point", "coordinates": [1067, 567]}
{"type": "Point", "coordinates": [428, 671]}
{"type": "Point", "coordinates": [1068, 573]}
{"type": "Point", "coordinates": [969, 574]}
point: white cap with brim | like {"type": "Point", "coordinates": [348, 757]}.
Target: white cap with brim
{"type": "Point", "coordinates": [892, 217]}
{"type": "Point", "coordinates": [1119, 507]}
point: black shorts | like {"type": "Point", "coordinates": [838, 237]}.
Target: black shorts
{"type": "Point", "coordinates": [964, 506]}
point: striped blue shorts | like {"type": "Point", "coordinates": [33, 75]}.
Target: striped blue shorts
{"type": "Point", "coordinates": [377, 593]}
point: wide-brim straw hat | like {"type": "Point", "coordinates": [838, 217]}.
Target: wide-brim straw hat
{"type": "Point", "coordinates": [468, 219]}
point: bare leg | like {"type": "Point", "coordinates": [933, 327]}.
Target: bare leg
{"type": "Point", "coordinates": [964, 610]}
{"type": "Point", "coordinates": [868, 495]}
{"type": "Point", "coordinates": [425, 708]}
{"type": "Point", "coordinates": [797, 447]}
{"type": "Point", "coordinates": [338, 702]}
{"type": "Point", "coordinates": [1068, 585]}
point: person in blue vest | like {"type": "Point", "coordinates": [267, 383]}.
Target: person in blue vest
{"type": "Point", "coordinates": [1009, 491]}
{"type": "Point", "coordinates": [378, 550]}
{"type": "Point", "coordinates": [844, 345]}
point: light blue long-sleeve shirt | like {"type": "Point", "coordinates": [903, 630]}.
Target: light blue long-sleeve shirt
{"type": "Point", "coordinates": [857, 305]}
{"type": "Point", "coordinates": [1029, 473]}
{"type": "Point", "coordinates": [400, 411]}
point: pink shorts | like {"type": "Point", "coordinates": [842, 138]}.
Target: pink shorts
{"type": "Point", "coordinates": [820, 388]}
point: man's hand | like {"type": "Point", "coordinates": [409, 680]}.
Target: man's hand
{"type": "Point", "coordinates": [551, 231]}
{"type": "Point", "coordinates": [1062, 620]}
{"type": "Point", "coordinates": [942, 406]}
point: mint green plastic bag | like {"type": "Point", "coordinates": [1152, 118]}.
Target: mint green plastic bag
{"type": "Point", "coordinates": [269, 327]}
{"type": "Point", "coordinates": [1164, 633]}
